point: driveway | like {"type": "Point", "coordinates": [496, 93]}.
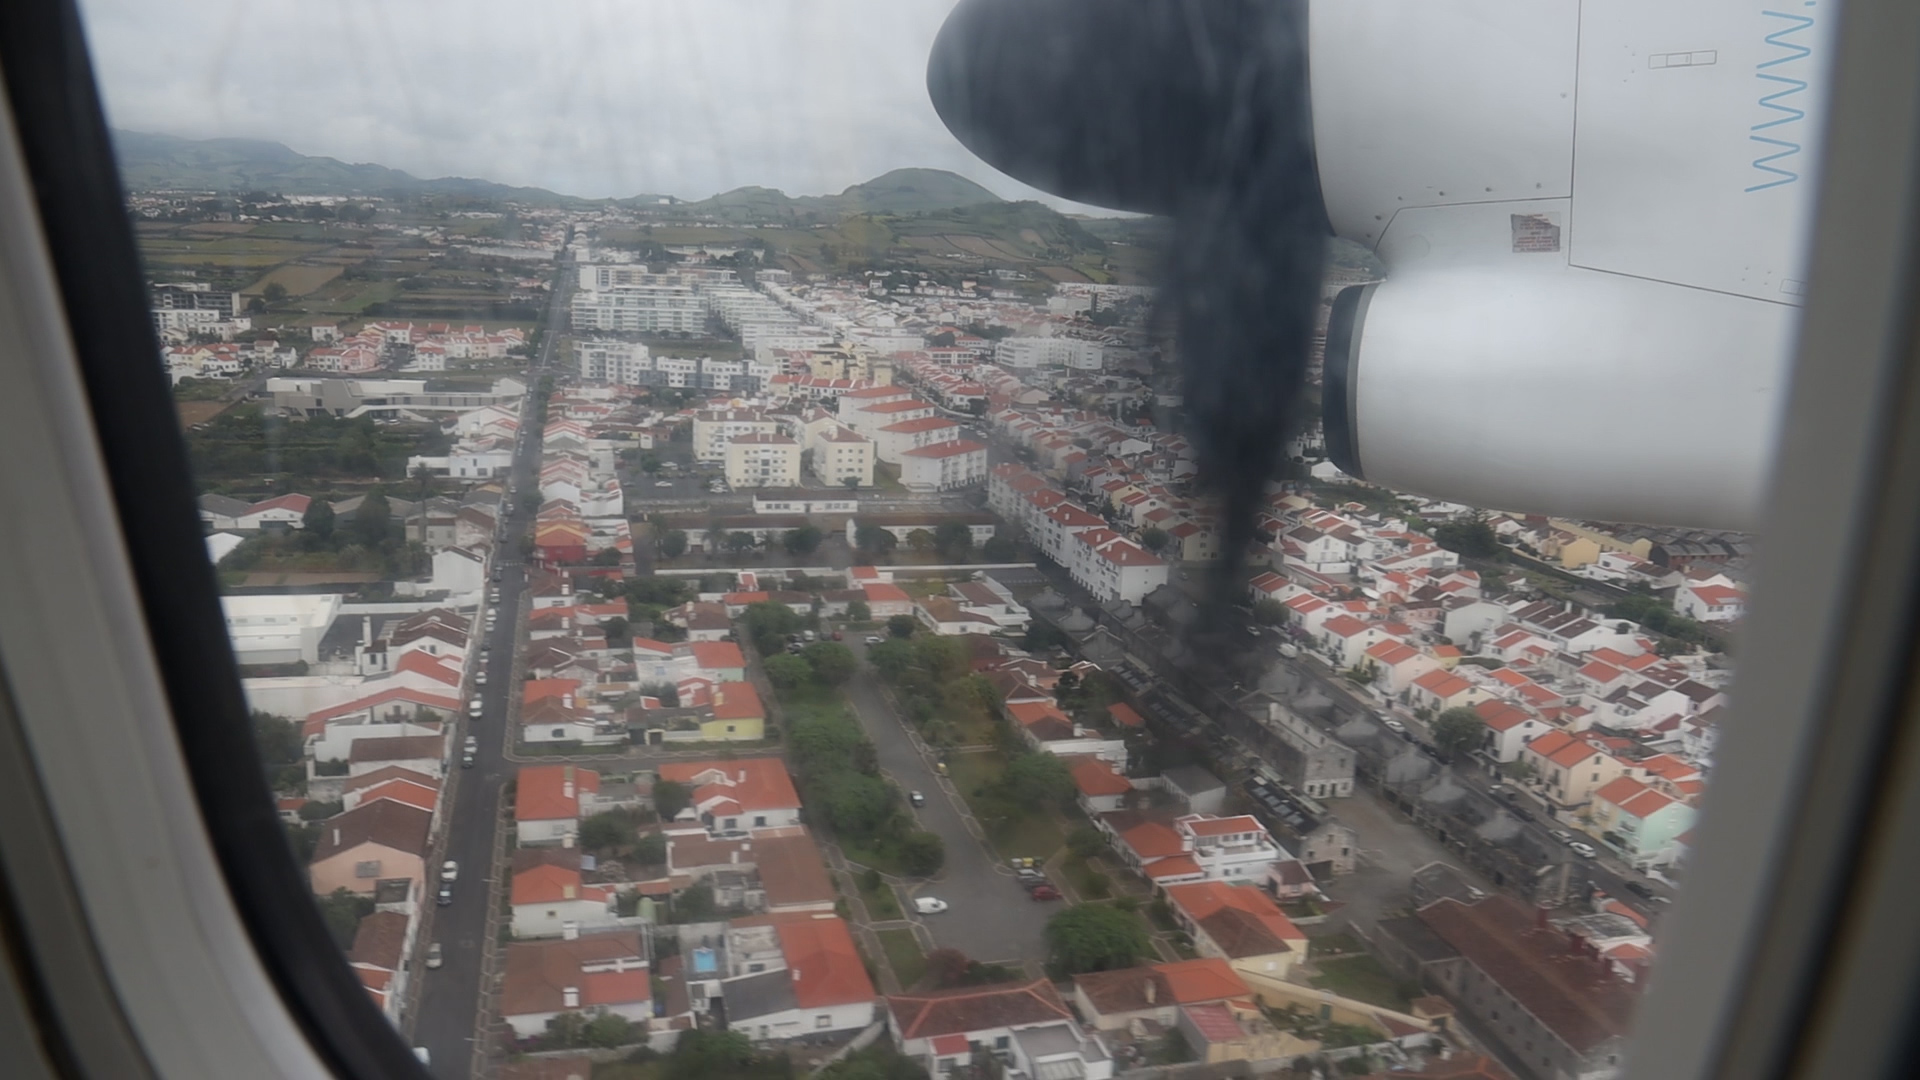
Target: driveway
{"type": "Point", "coordinates": [991, 918]}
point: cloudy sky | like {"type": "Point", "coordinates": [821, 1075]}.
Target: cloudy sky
{"type": "Point", "coordinates": [587, 97]}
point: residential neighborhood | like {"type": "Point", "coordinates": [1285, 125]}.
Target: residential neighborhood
{"type": "Point", "coordinates": [830, 660]}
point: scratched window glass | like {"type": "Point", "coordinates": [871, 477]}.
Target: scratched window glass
{"type": "Point", "coordinates": [741, 521]}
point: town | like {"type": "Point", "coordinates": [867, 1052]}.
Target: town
{"type": "Point", "coordinates": [672, 643]}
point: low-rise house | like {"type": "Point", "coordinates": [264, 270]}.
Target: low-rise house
{"type": "Point", "coordinates": [817, 987]}
{"type": "Point", "coordinates": [1195, 847]}
{"type": "Point", "coordinates": [379, 958]}
{"type": "Point", "coordinates": [1102, 788]}
{"type": "Point", "coordinates": [1239, 924]}
{"type": "Point", "coordinates": [547, 802]}
{"type": "Point", "coordinates": [738, 715]}
{"type": "Point", "coordinates": [1112, 1000]}
{"type": "Point", "coordinates": [419, 753]}
{"type": "Point", "coordinates": [736, 796]}
{"type": "Point", "coordinates": [552, 901]}
{"type": "Point", "coordinates": [1026, 1027]}
{"type": "Point", "coordinates": [1639, 821]}
{"type": "Point", "coordinates": [1569, 768]}
{"type": "Point", "coordinates": [363, 847]}
{"type": "Point", "coordinates": [1509, 729]}
{"type": "Point", "coordinates": [594, 975]}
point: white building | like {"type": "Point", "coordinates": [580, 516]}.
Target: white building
{"type": "Point", "coordinates": [763, 460]}
{"type": "Point", "coordinates": [643, 309]}
{"type": "Point", "coordinates": [279, 629]}
{"type": "Point", "coordinates": [624, 363]}
{"type": "Point", "coordinates": [942, 466]}
{"type": "Point", "coordinates": [713, 429]}
{"type": "Point", "coordinates": [1034, 352]}
{"type": "Point", "coordinates": [841, 454]}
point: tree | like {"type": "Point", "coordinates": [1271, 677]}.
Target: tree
{"type": "Point", "coordinates": [874, 540]}
{"type": "Point", "coordinates": [1153, 539]}
{"type": "Point", "coordinates": [609, 1030]}
{"type": "Point", "coordinates": [803, 540]}
{"type": "Point", "coordinates": [670, 797]}
{"type": "Point", "coordinates": [604, 832]}
{"type": "Point", "coordinates": [277, 738]}
{"type": "Point", "coordinates": [695, 904]}
{"type": "Point", "coordinates": [1457, 731]}
{"type": "Point", "coordinates": [374, 520]}
{"type": "Point", "coordinates": [619, 630]}
{"type": "Point", "coordinates": [1094, 937]}
{"type": "Point", "coordinates": [948, 968]}
{"type": "Point", "coordinates": [1086, 841]}
{"type": "Point", "coordinates": [651, 849]}
{"type": "Point", "coordinates": [832, 662]}
{"type": "Point", "coordinates": [920, 540]}
{"type": "Point", "coordinates": [953, 540]}
{"type": "Point", "coordinates": [1270, 612]}
{"type": "Point", "coordinates": [343, 909]}
{"type": "Point", "coordinates": [274, 292]}
{"type": "Point", "coordinates": [786, 671]}
{"type": "Point", "coordinates": [998, 549]}
{"type": "Point", "coordinates": [901, 625]}
{"type": "Point", "coordinates": [892, 658]}
{"type": "Point", "coordinates": [1471, 536]}
{"type": "Point", "coordinates": [1035, 780]}
{"type": "Point", "coordinates": [858, 804]}
{"type": "Point", "coordinates": [318, 520]}
{"type": "Point", "coordinates": [858, 611]}
{"type": "Point", "coordinates": [851, 483]}
{"type": "Point", "coordinates": [741, 542]}
{"type": "Point", "coordinates": [650, 463]}
{"type": "Point", "coordinates": [1042, 636]}
{"type": "Point", "coordinates": [769, 624]}
{"type": "Point", "coordinates": [673, 543]}
{"type": "Point", "coordinates": [922, 853]}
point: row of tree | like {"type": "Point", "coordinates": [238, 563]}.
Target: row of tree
{"type": "Point", "coordinates": [840, 780]}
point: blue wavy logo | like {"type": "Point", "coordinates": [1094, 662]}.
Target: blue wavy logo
{"type": "Point", "coordinates": [1778, 101]}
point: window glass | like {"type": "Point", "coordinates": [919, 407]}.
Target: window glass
{"type": "Point", "coordinates": [465, 310]}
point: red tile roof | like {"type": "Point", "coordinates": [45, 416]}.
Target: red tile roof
{"type": "Point", "coordinates": [751, 783]}
{"type": "Point", "coordinates": [970, 1009]}
{"type": "Point", "coordinates": [718, 655]}
{"type": "Point", "coordinates": [541, 791]}
{"type": "Point", "coordinates": [737, 701]}
{"type": "Point", "coordinates": [826, 967]}
{"type": "Point", "coordinates": [549, 884]}
{"type": "Point", "coordinates": [1125, 715]}
{"type": "Point", "coordinates": [1096, 778]}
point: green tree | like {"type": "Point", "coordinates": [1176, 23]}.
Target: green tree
{"type": "Point", "coordinates": [1458, 731]}
{"type": "Point", "coordinates": [922, 853]}
{"type": "Point", "coordinates": [1086, 841]}
{"type": "Point", "coordinates": [859, 804]}
{"type": "Point", "coordinates": [673, 543]}
{"type": "Point", "coordinates": [1270, 612]}
{"type": "Point", "coordinates": [874, 540]}
{"type": "Point", "coordinates": [709, 1055]}
{"type": "Point", "coordinates": [1037, 780]}
{"type": "Point", "coordinates": [1470, 536]}
{"type": "Point", "coordinates": [342, 910]}
{"type": "Point", "coordinates": [650, 463]}
{"type": "Point", "coordinates": [786, 671]}
{"type": "Point", "coordinates": [619, 630]}
{"type": "Point", "coordinates": [318, 520]}
{"type": "Point", "coordinates": [670, 797]}
{"type": "Point", "coordinates": [768, 624]}
{"type": "Point", "coordinates": [277, 738]}
{"type": "Point", "coordinates": [1154, 539]}
{"type": "Point", "coordinates": [953, 540]}
{"type": "Point", "coordinates": [651, 849]}
{"type": "Point", "coordinates": [605, 832]}
{"type": "Point", "coordinates": [901, 625]}
{"type": "Point", "coordinates": [998, 549]}
{"type": "Point", "coordinates": [1043, 636]}
{"type": "Point", "coordinates": [892, 658]}
{"type": "Point", "coordinates": [695, 904]}
{"type": "Point", "coordinates": [803, 540]}
{"type": "Point", "coordinates": [1094, 937]}
{"type": "Point", "coordinates": [858, 611]}
{"type": "Point", "coordinates": [373, 521]}
{"type": "Point", "coordinates": [741, 542]}
{"type": "Point", "coordinates": [274, 292]}
{"type": "Point", "coordinates": [609, 1030]}
{"type": "Point", "coordinates": [920, 540]}
{"type": "Point", "coordinates": [832, 662]}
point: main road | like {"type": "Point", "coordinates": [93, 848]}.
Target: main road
{"type": "Point", "coordinates": [448, 1019]}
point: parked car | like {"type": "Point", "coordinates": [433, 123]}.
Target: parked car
{"type": "Point", "coordinates": [1585, 851]}
{"type": "Point", "coordinates": [1563, 836]}
{"type": "Point", "coordinates": [873, 639]}
{"type": "Point", "coordinates": [837, 635]}
{"type": "Point", "coordinates": [433, 955]}
{"type": "Point", "coordinates": [473, 708]}
{"type": "Point", "coordinates": [1030, 877]}
{"type": "Point", "coordinates": [472, 744]}
{"type": "Point", "coordinates": [916, 798]}
{"type": "Point", "coordinates": [466, 760]}
{"type": "Point", "coordinates": [449, 871]}
{"type": "Point", "coordinates": [480, 677]}
{"type": "Point", "coordinates": [1289, 650]}
{"type": "Point", "coordinates": [927, 905]}
{"type": "Point", "coordinates": [497, 573]}
{"type": "Point", "coordinates": [1044, 892]}
{"type": "Point", "coordinates": [493, 597]}
{"type": "Point", "coordinates": [446, 894]}
{"type": "Point", "coordinates": [1396, 727]}
{"type": "Point", "coordinates": [1640, 890]}
{"type": "Point", "coordinates": [663, 483]}
{"type": "Point", "coordinates": [810, 635]}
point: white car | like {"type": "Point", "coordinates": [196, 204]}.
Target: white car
{"type": "Point", "coordinates": [872, 640]}
{"type": "Point", "coordinates": [480, 677]}
{"type": "Point", "coordinates": [1396, 727]}
{"type": "Point", "coordinates": [433, 955]}
{"type": "Point", "coordinates": [449, 871]}
{"type": "Point", "coordinates": [663, 483]}
{"type": "Point", "coordinates": [927, 905]}
{"type": "Point", "coordinates": [473, 708]}
{"type": "Point", "coordinates": [1585, 851]}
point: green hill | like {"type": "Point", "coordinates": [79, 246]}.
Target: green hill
{"type": "Point", "coordinates": [901, 191]}
{"type": "Point", "coordinates": [166, 163]}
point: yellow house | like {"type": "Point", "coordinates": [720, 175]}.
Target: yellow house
{"type": "Point", "coordinates": [738, 715]}
{"type": "Point", "coordinates": [1582, 544]}
{"type": "Point", "coordinates": [1569, 769]}
{"type": "Point", "coordinates": [1239, 924]}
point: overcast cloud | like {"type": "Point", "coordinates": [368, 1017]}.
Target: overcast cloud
{"type": "Point", "coordinates": [585, 97]}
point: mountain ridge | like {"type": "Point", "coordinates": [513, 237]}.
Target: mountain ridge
{"type": "Point", "coordinates": [152, 162]}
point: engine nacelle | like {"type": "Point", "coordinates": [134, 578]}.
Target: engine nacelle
{"type": "Point", "coordinates": [1592, 396]}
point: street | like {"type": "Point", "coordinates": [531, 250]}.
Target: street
{"type": "Point", "coordinates": [992, 919]}
{"type": "Point", "coordinates": [447, 1018]}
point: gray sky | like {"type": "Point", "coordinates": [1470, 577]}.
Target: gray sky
{"type": "Point", "coordinates": [585, 97]}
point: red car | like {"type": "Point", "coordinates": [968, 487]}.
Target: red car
{"type": "Point", "coordinates": [1045, 892]}
{"type": "Point", "coordinates": [836, 635]}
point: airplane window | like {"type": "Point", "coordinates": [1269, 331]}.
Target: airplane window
{"type": "Point", "coordinates": [1186, 448]}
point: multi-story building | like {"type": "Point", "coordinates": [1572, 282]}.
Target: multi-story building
{"type": "Point", "coordinates": [713, 429]}
{"type": "Point", "coordinates": [625, 363]}
{"type": "Point", "coordinates": [1033, 352]}
{"type": "Point", "coordinates": [942, 466]}
{"type": "Point", "coordinates": [841, 454]}
{"type": "Point", "coordinates": [763, 460]}
{"type": "Point", "coordinates": [643, 309]}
